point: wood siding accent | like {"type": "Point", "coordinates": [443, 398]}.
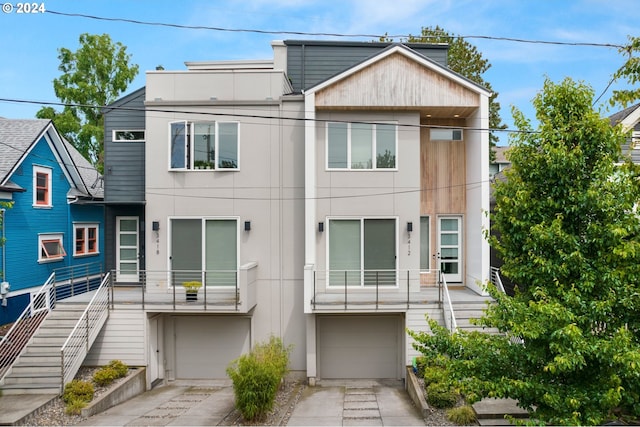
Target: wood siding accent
{"type": "Point", "coordinates": [121, 338]}
{"type": "Point", "coordinates": [442, 176]}
{"type": "Point", "coordinates": [396, 82]}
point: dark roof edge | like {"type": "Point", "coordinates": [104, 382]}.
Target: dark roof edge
{"type": "Point", "coordinates": [444, 46]}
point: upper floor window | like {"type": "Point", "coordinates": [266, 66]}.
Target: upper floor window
{"type": "Point", "coordinates": [361, 146]}
{"type": "Point", "coordinates": [128, 136]}
{"type": "Point", "coordinates": [440, 134]}
{"type": "Point", "coordinates": [41, 186]}
{"type": "Point", "coordinates": [204, 145]}
{"type": "Point", "coordinates": [85, 239]}
{"type": "Point", "coordinates": [50, 247]}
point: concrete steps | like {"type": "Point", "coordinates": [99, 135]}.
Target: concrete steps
{"type": "Point", "coordinates": [492, 412]}
{"type": "Point", "coordinates": [38, 369]}
{"type": "Point", "coordinates": [464, 311]}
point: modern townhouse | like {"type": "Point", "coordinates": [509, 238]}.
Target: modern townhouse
{"type": "Point", "coordinates": [331, 196]}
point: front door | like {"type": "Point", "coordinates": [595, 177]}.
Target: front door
{"type": "Point", "coordinates": [450, 248]}
{"type": "Point", "coordinates": [127, 249]}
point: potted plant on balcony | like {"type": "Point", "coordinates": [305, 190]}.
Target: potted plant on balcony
{"type": "Point", "coordinates": [191, 289]}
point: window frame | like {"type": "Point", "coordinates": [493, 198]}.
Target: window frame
{"type": "Point", "coordinates": [43, 252]}
{"type": "Point", "coordinates": [452, 132]}
{"type": "Point", "coordinates": [363, 280]}
{"type": "Point", "coordinates": [114, 137]}
{"type": "Point", "coordinates": [190, 143]}
{"type": "Point", "coordinates": [48, 172]}
{"type": "Point", "coordinates": [373, 147]}
{"type": "Point", "coordinates": [203, 246]}
{"type": "Point", "coordinates": [86, 227]}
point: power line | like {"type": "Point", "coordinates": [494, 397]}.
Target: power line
{"type": "Point", "coordinates": [326, 34]}
{"type": "Point", "coordinates": [256, 116]}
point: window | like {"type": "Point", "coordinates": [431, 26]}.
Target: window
{"type": "Point", "coordinates": [361, 146]}
{"type": "Point", "coordinates": [128, 136]}
{"type": "Point", "coordinates": [194, 145]}
{"type": "Point", "coordinates": [86, 239]}
{"type": "Point", "coordinates": [446, 134]}
{"type": "Point", "coordinates": [425, 244]}
{"type": "Point", "coordinates": [205, 247]}
{"type": "Point", "coordinates": [41, 186]}
{"type": "Point", "coordinates": [51, 247]}
{"type": "Point", "coordinates": [362, 252]}
{"type": "Point", "coordinates": [635, 140]}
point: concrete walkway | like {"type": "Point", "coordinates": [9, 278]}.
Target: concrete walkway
{"type": "Point", "coordinates": [341, 403]}
{"type": "Point", "coordinates": [356, 403]}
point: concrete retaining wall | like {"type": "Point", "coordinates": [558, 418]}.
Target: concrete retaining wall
{"type": "Point", "coordinates": [131, 387]}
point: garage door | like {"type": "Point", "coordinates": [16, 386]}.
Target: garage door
{"type": "Point", "coordinates": [205, 345]}
{"type": "Point", "coordinates": [359, 346]}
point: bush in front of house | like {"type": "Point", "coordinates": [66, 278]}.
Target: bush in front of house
{"type": "Point", "coordinates": [440, 395]}
{"type": "Point", "coordinates": [256, 377]}
{"type": "Point", "coordinates": [108, 374]}
{"type": "Point", "coordinates": [76, 395]}
{"type": "Point", "coordinates": [462, 415]}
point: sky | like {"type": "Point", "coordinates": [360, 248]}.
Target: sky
{"type": "Point", "coordinates": [30, 42]}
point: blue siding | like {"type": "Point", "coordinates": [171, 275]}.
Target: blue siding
{"type": "Point", "coordinates": [23, 224]}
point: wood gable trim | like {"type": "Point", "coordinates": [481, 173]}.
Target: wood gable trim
{"type": "Point", "coordinates": [396, 81]}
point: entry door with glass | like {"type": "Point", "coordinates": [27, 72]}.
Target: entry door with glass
{"type": "Point", "coordinates": [450, 248]}
{"type": "Point", "coordinates": [127, 248]}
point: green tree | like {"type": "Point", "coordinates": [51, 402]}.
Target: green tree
{"type": "Point", "coordinates": [465, 59]}
{"type": "Point", "coordinates": [93, 76]}
{"type": "Point", "coordinates": [630, 71]}
{"type": "Point", "coordinates": [569, 235]}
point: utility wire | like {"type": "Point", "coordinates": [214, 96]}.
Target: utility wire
{"type": "Point", "coordinates": [324, 34]}
{"type": "Point", "coordinates": [257, 116]}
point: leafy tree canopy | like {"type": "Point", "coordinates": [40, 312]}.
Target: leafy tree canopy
{"type": "Point", "coordinates": [93, 76]}
{"type": "Point", "coordinates": [570, 237]}
{"type": "Point", "coordinates": [630, 71]}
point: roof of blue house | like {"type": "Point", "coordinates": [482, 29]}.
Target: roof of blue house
{"type": "Point", "coordinates": [19, 136]}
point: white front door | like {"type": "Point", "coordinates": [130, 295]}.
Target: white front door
{"type": "Point", "coordinates": [450, 247]}
{"type": "Point", "coordinates": [127, 248]}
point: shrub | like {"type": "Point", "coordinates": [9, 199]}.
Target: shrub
{"type": "Point", "coordinates": [420, 365]}
{"type": "Point", "coordinates": [104, 376]}
{"type": "Point", "coordinates": [440, 395]}
{"type": "Point", "coordinates": [120, 368]}
{"type": "Point", "coordinates": [256, 377]}
{"type": "Point", "coordinates": [462, 415]}
{"type": "Point", "coordinates": [108, 374]}
{"type": "Point", "coordinates": [433, 374]}
{"type": "Point", "coordinates": [78, 390]}
{"type": "Point", "coordinates": [74, 407]}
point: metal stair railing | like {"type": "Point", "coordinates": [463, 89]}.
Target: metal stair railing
{"type": "Point", "coordinates": [77, 345]}
{"type": "Point", "coordinates": [447, 307]}
{"type": "Point", "coordinates": [17, 338]}
{"type": "Point", "coordinates": [497, 280]}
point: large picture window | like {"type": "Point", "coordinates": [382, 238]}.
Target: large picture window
{"type": "Point", "coordinates": [204, 145]}
{"type": "Point", "coordinates": [356, 146]}
{"type": "Point", "coordinates": [205, 250]}
{"type": "Point", "coordinates": [85, 239]}
{"type": "Point", "coordinates": [362, 252]}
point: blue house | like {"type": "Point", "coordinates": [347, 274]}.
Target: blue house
{"type": "Point", "coordinates": [52, 211]}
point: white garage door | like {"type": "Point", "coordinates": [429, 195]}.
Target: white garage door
{"type": "Point", "coordinates": [359, 346]}
{"type": "Point", "coordinates": [205, 345]}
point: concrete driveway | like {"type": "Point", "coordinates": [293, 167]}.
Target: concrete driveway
{"type": "Point", "coordinates": [346, 403]}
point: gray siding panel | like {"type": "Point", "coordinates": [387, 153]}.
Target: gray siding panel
{"type": "Point", "coordinates": [121, 338]}
{"type": "Point", "coordinates": [124, 162]}
{"type": "Point", "coordinates": [309, 63]}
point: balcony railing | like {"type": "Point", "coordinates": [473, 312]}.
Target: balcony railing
{"type": "Point", "coordinates": [221, 290]}
{"type": "Point", "coordinates": [373, 289]}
